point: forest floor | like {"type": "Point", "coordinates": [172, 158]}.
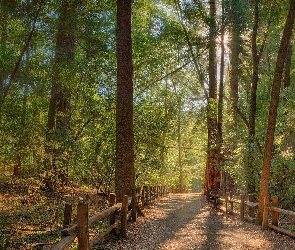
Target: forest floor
{"type": "Point", "coordinates": [185, 221]}
{"type": "Point", "coordinates": [31, 218]}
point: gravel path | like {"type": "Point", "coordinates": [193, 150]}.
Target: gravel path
{"type": "Point", "coordinates": [184, 221]}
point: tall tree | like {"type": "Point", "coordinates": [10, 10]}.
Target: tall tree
{"type": "Point", "coordinates": [235, 47]}
{"type": "Point", "coordinates": [256, 57]}
{"type": "Point", "coordinates": [58, 124]}
{"type": "Point", "coordinates": [125, 177]}
{"type": "Point", "coordinates": [272, 116]}
{"type": "Point", "coordinates": [212, 176]}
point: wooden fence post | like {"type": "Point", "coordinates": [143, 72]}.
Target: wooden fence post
{"type": "Point", "coordinates": [149, 194]}
{"type": "Point", "coordinates": [152, 193]}
{"type": "Point", "coordinates": [82, 220]}
{"type": "Point", "coordinates": [133, 205]}
{"type": "Point", "coordinates": [242, 207]}
{"type": "Point", "coordinates": [251, 209]}
{"type": "Point", "coordinates": [124, 216]}
{"type": "Point", "coordinates": [226, 202]}
{"type": "Point", "coordinates": [231, 202]}
{"type": "Point", "coordinates": [265, 214]}
{"type": "Point", "coordinates": [143, 196]}
{"type": "Point", "coordinates": [138, 193]}
{"type": "Point", "coordinates": [67, 215]}
{"type": "Point", "coordinates": [275, 214]}
{"type": "Point", "coordinates": [112, 203]}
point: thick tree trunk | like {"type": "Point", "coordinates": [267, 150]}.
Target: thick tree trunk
{"type": "Point", "coordinates": [64, 56]}
{"type": "Point", "coordinates": [221, 81]}
{"type": "Point", "coordinates": [234, 74]}
{"type": "Point", "coordinates": [212, 176]}
{"type": "Point", "coordinates": [275, 94]}
{"type": "Point", "coordinates": [225, 178]}
{"type": "Point", "coordinates": [125, 178]}
{"type": "Point", "coordinates": [59, 107]}
{"type": "Point", "coordinates": [252, 115]}
{"type": "Point", "coordinates": [235, 49]}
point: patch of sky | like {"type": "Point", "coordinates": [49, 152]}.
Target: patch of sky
{"type": "Point", "coordinates": [157, 27]}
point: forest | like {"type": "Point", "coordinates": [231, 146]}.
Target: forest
{"type": "Point", "coordinates": [110, 95]}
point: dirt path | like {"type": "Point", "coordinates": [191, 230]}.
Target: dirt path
{"type": "Point", "coordinates": [186, 222]}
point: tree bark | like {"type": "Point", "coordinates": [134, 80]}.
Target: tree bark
{"type": "Point", "coordinates": [225, 176]}
{"type": "Point", "coordinates": [252, 114]}
{"type": "Point", "coordinates": [125, 178]}
{"type": "Point", "coordinates": [252, 140]}
{"type": "Point", "coordinates": [58, 122]}
{"type": "Point", "coordinates": [287, 70]}
{"type": "Point", "coordinates": [275, 94]}
{"type": "Point", "coordinates": [235, 49]}
{"type": "Point", "coordinates": [212, 176]}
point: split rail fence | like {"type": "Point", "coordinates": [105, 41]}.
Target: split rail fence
{"type": "Point", "coordinates": [252, 207]}
{"type": "Point", "coordinates": [275, 210]}
{"type": "Point", "coordinates": [244, 204]}
{"type": "Point", "coordinates": [141, 197]}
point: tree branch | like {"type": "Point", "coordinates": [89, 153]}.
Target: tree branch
{"type": "Point", "coordinates": [165, 76]}
{"type": "Point", "coordinates": [197, 66]}
{"type": "Point", "coordinates": [243, 117]}
{"type": "Point", "coordinates": [19, 60]}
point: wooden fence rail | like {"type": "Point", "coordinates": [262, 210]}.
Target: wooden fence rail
{"type": "Point", "coordinates": [140, 197]}
{"type": "Point", "coordinates": [252, 206]}
{"type": "Point", "coordinates": [275, 210]}
{"type": "Point", "coordinates": [275, 216]}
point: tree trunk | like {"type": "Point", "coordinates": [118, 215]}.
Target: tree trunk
{"type": "Point", "coordinates": [4, 25]}
{"type": "Point", "coordinates": [268, 150]}
{"type": "Point", "coordinates": [59, 107]}
{"type": "Point", "coordinates": [220, 99]}
{"type": "Point", "coordinates": [22, 140]}
{"type": "Point", "coordinates": [252, 115]}
{"type": "Point", "coordinates": [212, 177]}
{"type": "Point", "coordinates": [234, 74]}
{"type": "Point", "coordinates": [287, 70]}
{"type": "Point", "coordinates": [125, 178]}
{"type": "Point", "coordinates": [235, 44]}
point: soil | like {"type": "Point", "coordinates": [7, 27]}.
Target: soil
{"type": "Point", "coordinates": [185, 221]}
{"type": "Point", "coordinates": [30, 218]}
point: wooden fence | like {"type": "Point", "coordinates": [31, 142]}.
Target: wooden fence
{"type": "Point", "coordinates": [273, 208]}
{"type": "Point", "coordinates": [127, 209]}
{"type": "Point", "coordinates": [274, 216]}
{"type": "Point", "coordinates": [243, 203]}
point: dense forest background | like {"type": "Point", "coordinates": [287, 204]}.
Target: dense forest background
{"type": "Point", "coordinates": [58, 93]}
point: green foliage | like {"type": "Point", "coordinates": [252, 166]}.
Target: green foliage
{"type": "Point", "coordinates": [167, 93]}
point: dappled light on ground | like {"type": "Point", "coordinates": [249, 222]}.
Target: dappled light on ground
{"type": "Point", "coordinates": [184, 221]}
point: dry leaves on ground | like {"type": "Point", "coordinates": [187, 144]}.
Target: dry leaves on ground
{"type": "Point", "coordinates": [184, 221]}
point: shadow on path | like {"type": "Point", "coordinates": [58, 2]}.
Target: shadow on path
{"type": "Point", "coordinates": [213, 229]}
{"type": "Point", "coordinates": [185, 222]}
